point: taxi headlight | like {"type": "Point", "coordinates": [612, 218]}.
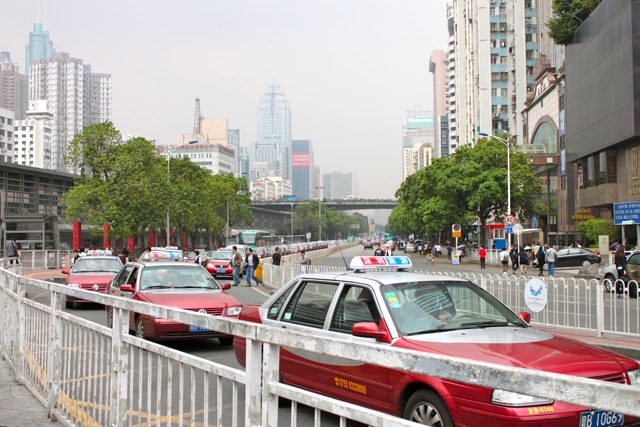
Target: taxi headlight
{"type": "Point", "coordinates": [509, 398]}
{"type": "Point", "coordinates": [233, 311]}
{"type": "Point", "coordinates": [634, 377]}
{"type": "Point", "coordinates": [74, 285]}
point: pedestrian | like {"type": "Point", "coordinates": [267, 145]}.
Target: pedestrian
{"type": "Point", "coordinates": [76, 256]}
{"type": "Point", "coordinates": [388, 251]}
{"type": "Point", "coordinates": [551, 258]}
{"type": "Point", "coordinates": [482, 252]}
{"type": "Point", "coordinates": [304, 260]}
{"type": "Point", "coordinates": [504, 260]}
{"type": "Point", "coordinates": [11, 251]}
{"type": "Point", "coordinates": [525, 259]}
{"type": "Point", "coordinates": [438, 250]}
{"type": "Point", "coordinates": [237, 264]}
{"type": "Point", "coordinates": [620, 260]}
{"type": "Point", "coordinates": [197, 257]}
{"type": "Point", "coordinates": [252, 261]}
{"type": "Point", "coordinates": [627, 245]}
{"type": "Point", "coordinates": [276, 258]}
{"type": "Point", "coordinates": [515, 258]}
{"type": "Point", "coordinates": [420, 249]}
{"type": "Point", "coordinates": [125, 252]}
{"type": "Point", "coordinates": [378, 251]}
{"type": "Point", "coordinates": [541, 256]}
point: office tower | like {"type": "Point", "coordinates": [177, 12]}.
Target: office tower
{"type": "Point", "coordinates": [273, 144]}
{"type": "Point", "coordinates": [496, 49]}
{"type": "Point", "coordinates": [302, 169]}
{"type": "Point", "coordinates": [13, 87]}
{"type": "Point", "coordinates": [76, 98]}
{"type": "Point", "coordinates": [418, 142]}
{"type": "Point", "coordinates": [33, 135]}
{"type": "Point", "coordinates": [39, 46]}
{"type": "Point", "coordinates": [337, 185]}
{"type": "Point", "coordinates": [438, 64]}
{"type": "Point", "coordinates": [451, 96]}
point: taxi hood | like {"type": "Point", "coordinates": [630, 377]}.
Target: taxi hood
{"type": "Point", "coordinates": [84, 278]}
{"type": "Point", "coordinates": [523, 348]}
{"type": "Point", "coordinates": [190, 298]}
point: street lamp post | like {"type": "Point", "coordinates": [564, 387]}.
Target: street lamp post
{"type": "Point", "coordinates": [319, 213]}
{"type": "Point", "coordinates": [169, 151]}
{"type": "Point", "coordinates": [291, 222]}
{"type": "Point", "coordinates": [507, 144]}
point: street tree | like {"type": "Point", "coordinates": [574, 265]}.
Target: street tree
{"type": "Point", "coordinates": [568, 15]}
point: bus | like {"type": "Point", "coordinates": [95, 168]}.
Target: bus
{"type": "Point", "coordinates": [252, 238]}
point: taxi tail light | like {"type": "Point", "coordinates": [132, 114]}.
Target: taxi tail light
{"type": "Point", "coordinates": [372, 330]}
{"type": "Point", "coordinates": [525, 316]}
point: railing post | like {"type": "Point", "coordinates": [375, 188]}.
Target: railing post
{"type": "Point", "coordinates": [119, 368]}
{"type": "Point", "coordinates": [270, 375]}
{"type": "Point", "coordinates": [599, 308]}
{"type": "Point", "coordinates": [253, 386]}
{"type": "Point", "coordinates": [55, 354]}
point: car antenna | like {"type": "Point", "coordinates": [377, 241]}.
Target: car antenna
{"type": "Point", "coordinates": [344, 259]}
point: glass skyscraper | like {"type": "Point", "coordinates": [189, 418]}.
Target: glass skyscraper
{"type": "Point", "coordinates": [273, 144]}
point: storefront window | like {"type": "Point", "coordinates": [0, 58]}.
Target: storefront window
{"type": "Point", "coordinates": [546, 135]}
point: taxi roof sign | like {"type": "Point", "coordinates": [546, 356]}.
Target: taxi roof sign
{"type": "Point", "coordinates": [160, 255]}
{"type": "Point", "coordinates": [99, 252]}
{"type": "Point", "coordinates": [363, 263]}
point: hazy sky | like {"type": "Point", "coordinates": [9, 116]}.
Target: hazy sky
{"type": "Point", "coordinates": [350, 69]}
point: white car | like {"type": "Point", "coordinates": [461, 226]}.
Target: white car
{"type": "Point", "coordinates": [610, 274]}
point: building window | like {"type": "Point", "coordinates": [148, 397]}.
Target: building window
{"type": "Point", "coordinates": [546, 135]}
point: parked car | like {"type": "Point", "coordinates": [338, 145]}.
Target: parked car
{"type": "Point", "coordinates": [610, 274]}
{"type": "Point", "coordinates": [575, 257]}
{"type": "Point", "coordinates": [410, 248]}
{"type": "Point", "coordinates": [91, 272]}
{"type": "Point", "coordinates": [182, 285]}
{"type": "Point", "coordinates": [433, 314]}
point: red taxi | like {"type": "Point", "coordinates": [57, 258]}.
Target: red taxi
{"type": "Point", "coordinates": [91, 272]}
{"type": "Point", "coordinates": [183, 285]}
{"type": "Point", "coordinates": [435, 314]}
{"type": "Point", "coordinates": [219, 263]}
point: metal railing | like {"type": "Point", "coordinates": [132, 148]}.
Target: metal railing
{"type": "Point", "coordinates": [88, 374]}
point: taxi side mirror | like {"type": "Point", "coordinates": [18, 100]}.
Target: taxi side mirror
{"type": "Point", "coordinates": [65, 271]}
{"type": "Point", "coordinates": [372, 330]}
{"type": "Point", "coordinates": [225, 286]}
{"type": "Point", "coordinates": [126, 288]}
{"type": "Point", "coordinates": [525, 316]}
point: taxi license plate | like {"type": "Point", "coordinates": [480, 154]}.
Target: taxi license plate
{"type": "Point", "coordinates": [601, 419]}
{"type": "Point", "coordinates": [221, 271]}
{"type": "Point", "coordinates": [193, 328]}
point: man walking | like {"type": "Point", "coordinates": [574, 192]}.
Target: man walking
{"type": "Point", "coordinates": [483, 257]}
{"type": "Point", "coordinates": [11, 248]}
{"type": "Point", "coordinates": [551, 258]}
{"type": "Point", "coordinates": [541, 256]}
{"type": "Point", "coordinates": [252, 261]}
{"type": "Point", "coordinates": [237, 264]}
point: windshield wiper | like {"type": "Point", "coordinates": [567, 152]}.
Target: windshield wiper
{"type": "Point", "coordinates": [158, 287]}
{"type": "Point", "coordinates": [193, 287]}
{"type": "Point", "coordinates": [485, 323]}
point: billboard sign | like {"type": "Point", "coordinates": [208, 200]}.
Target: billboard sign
{"type": "Point", "coordinates": [627, 213]}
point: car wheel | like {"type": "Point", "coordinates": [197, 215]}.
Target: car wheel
{"type": "Point", "coordinates": [426, 407]}
{"type": "Point", "coordinates": [140, 328]}
{"type": "Point", "coordinates": [225, 340]}
{"type": "Point", "coordinates": [110, 317]}
{"type": "Point", "coordinates": [608, 282]}
{"type": "Point", "coordinates": [68, 304]}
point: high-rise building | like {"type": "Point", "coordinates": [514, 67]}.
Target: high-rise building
{"type": "Point", "coordinates": [496, 49]}
{"type": "Point", "coordinates": [222, 143]}
{"type": "Point", "coordinates": [13, 87]}
{"type": "Point", "coordinates": [451, 95]}
{"type": "Point", "coordinates": [273, 144]}
{"type": "Point", "coordinates": [75, 96]}
{"type": "Point", "coordinates": [302, 169]}
{"type": "Point", "coordinates": [6, 135]}
{"type": "Point", "coordinates": [438, 64]}
{"type": "Point", "coordinates": [39, 46]}
{"type": "Point", "coordinates": [337, 185]}
{"type": "Point", "coordinates": [33, 135]}
{"type": "Point", "coordinates": [418, 142]}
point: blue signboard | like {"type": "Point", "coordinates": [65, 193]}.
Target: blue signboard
{"type": "Point", "coordinates": [627, 213]}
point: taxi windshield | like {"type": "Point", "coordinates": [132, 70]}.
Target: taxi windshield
{"type": "Point", "coordinates": [88, 264]}
{"type": "Point", "coordinates": [176, 276]}
{"type": "Point", "coordinates": [428, 307]}
{"type": "Point", "coordinates": [222, 255]}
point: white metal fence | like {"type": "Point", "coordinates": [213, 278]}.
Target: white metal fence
{"type": "Point", "coordinates": [87, 374]}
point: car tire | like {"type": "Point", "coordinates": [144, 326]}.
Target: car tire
{"type": "Point", "coordinates": [608, 283]}
{"type": "Point", "coordinates": [68, 304]}
{"type": "Point", "coordinates": [226, 340]}
{"type": "Point", "coordinates": [426, 407]}
{"type": "Point", "coordinates": [139, 332]}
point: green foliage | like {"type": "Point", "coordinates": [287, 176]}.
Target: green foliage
{"type": "Point", "coordinates": [594, 228]}
{"type": "Point", "coordinates": [469, 185]}
{"type": "Point", "coordinates": [568, 16]}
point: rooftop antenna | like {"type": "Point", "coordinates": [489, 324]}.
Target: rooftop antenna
{"type": "Point", "coordinates": [197, 119]}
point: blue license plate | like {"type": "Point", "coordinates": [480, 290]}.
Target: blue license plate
{"type": "Point", "coordinates": [193, 328]}
{"type": "Point", "coordinates": [221, 271]}
{"type": "Point", "coordinates": [601, 419]}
